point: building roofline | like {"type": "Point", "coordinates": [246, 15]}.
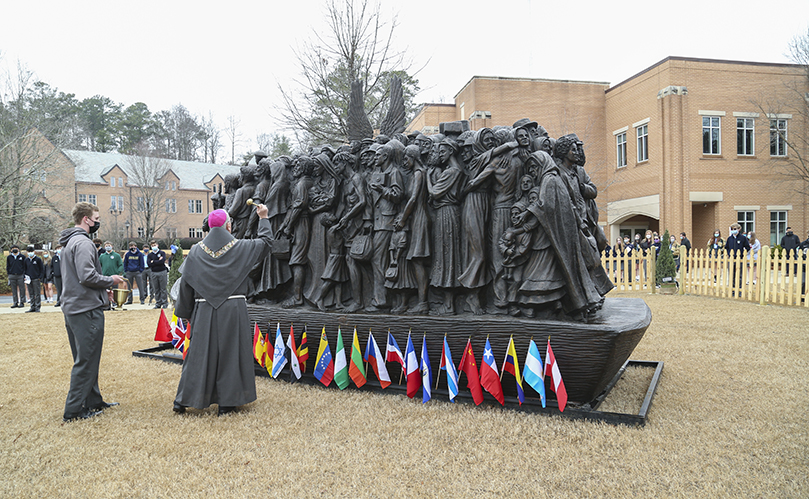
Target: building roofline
{"type": "Point", "coordinates": [518, 78]}
{"type": "Point", "coordinates": [700, 59]}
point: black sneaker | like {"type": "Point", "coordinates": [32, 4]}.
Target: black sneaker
{"type": "Point", "coordinates": [84, 414]}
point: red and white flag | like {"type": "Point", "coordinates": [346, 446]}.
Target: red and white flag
{"type": "Point", "coordinates": [552, 370]}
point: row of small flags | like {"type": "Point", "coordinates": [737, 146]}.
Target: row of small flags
{"type": "Point", "coordinates": [275, 355]}
{"type": "Point", "coordinates": [175, 332]}
{"type": "Point", "coordinates": [342, 369]}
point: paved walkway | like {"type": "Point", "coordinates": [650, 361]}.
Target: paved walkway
{"type": "Point", "coordinates": [6, 302]}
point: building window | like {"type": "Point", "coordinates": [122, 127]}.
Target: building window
{"type": "Point", "coordinates": [199, 205]}
{"type": "Point", "coordinates": [92, 199]}
{"type": "Point", "coordinates": [745, 131]}
{"type": "Point", "coordinates": [120, 181]}
{"type": "Point", "coordinates": [171, 206]}
{"type": "Point", "coordinates": [194, 233]}
{"type": "Point", "coordinates": [141, 204]}
{"type": "Point", "coordinates": [120, 203]}
{"type": "Point", "coordinates": [643, 143]}
{"type": "Point", "coordinates": [173, 185]}
{"type": "Point", "coordinates": [141, 232]}
{"type": "Point", "coordinates": [778, 226]}
{"type": "Point", "coordinates": [171, 233]}
{"type": "Point", "coordinates": [82, 198]}
{"type": "Point", "coordinates": [620, 149]}
{"type": "Point", "coordinates": [711, 135]}
{"type": "Point", "coordinates": [747, 219]}
{"type": "Point", "coordinates": [194, 206]}
{"type": "Point", "coordinates": [191, 206]}
{"type": "Point", "coordinates": [112, 181]}
{"type": "Point", "coordinates": [778, 137]}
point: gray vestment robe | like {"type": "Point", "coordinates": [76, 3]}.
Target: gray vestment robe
{"type": "Point", "coordinates": [218, 368]}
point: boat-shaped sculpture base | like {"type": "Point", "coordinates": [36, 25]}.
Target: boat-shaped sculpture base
{"type": "Point", "coordinates": [589, 354]}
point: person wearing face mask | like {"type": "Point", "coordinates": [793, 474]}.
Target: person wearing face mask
{"type": "Point", "coordinates": [99, 246]}
{"type": "Point", "coordinates": [133, 268]}
{"type": "Point", "coordinates": [685, 242]}
{"type": "Point", "coordinates": [111, 264]}
{"type": "Point", "coordinates": [638, 252]}
{"type": "Point", "coordinates": [790, 242]}
{"type": "Point", "coordinates": [675, 251]}
{"type": "Point", "coordinates": [34, 273]}
{"type": "Point", "coordinates": [147, 276]}
{"type": "Point", "coordinates": [157, 264]}
{"type": "Point", "coordinates": [737, 244]}
{"type": "Point", "coordinates": [84, 299]}
{"type": "Point", "coordinates": [15, 269]}
{"type": "Point", "coordinates": [646, 244]}
{"type": "Point", "coordinates": [755, 247]}
{"type": "Point", "coordinates": [56, 272]}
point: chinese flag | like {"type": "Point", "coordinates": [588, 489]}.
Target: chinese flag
{"type": "Point", "coordinates": [469, 367]}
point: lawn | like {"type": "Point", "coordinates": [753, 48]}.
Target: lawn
{"type": "Point", "coordinates": [729, 420]}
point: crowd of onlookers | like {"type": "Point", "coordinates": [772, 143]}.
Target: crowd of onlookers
{"type": "Point", "coordinates": [35, 275]}
{"type": "Point", "coordinates": [737, 241]}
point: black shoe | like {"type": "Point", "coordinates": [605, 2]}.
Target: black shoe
{"type": "Point", "coordinates": [179, 409]}
{"type": "Point", "coordinates": [31, 310]}
{"type": "Point", "coordinates": [15, 306]}
{"type": "Point", "coordinates": [84, 414]}
{"type": "Point", "coordinates": [225, 409]}
{"type": "Point", "coordinates": [104, 405]}
{"type": "Point", "coordinates": [156, 306]}
{"type": "Point", "coordinates": [57, 304]}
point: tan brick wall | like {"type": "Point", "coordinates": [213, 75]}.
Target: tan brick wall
{"type": "Point", "coordinates": [676, 166]}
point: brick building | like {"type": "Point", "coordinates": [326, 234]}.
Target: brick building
{"type": "Point", "coordinates": [687, 144]}
{"type": "Point", "coordinates": [114, 183]}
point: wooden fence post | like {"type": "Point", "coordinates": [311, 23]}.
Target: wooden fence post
{"type": "Point", "coordinates": [683, 266]}
{"type": "Point", "coordinates": [652, 264]}
{"type": "Point", "coordinates": [763, 272]}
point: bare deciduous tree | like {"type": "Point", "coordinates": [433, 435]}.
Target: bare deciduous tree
{"type": "Point", "coordinates": [357, 45]}
{"type": "Point", "coordinates": [31, 184]}
{"type": "Point", "coordinates": [234, 135]}
{"type": "Point", "coordinates": [147, 174]}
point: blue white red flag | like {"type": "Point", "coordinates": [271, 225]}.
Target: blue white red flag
{"type": "Point", "coordinates": [452, 373]}
{"type": "Point", "coordinates": [412, 369]}
{"type": "Point", "coordinates": [373, 356]}
{"type": "Point", "coordinates": [489, 378]}
{"type": "Point", "coordinates": [393, 353]}
{"type": "Point", "coordinates": [426, 373]}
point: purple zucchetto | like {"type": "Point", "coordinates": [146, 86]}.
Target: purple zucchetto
{"type": "Point", "coordinates": [217, 218]}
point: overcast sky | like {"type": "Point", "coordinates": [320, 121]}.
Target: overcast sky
{"type": "Point", "coordinates": [227, 58]}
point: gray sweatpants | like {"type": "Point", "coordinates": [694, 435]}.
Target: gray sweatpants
{"type": "Point", "coordinates": [85, 332]}
{"type": "Point", "coordinates": [17, 283]}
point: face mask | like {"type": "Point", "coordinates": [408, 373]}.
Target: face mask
{"type": "Point", "coordinates": [95, 226]}
{"type": "Point", "coordinates": [58, 252]}
{"type": "Point", "coordinates": [716, 235]}
{"type": "Point", "coordinates": [734, 232]}
{"type": "Point", "coordinates": [626, 241]}
{"type": "Point", "coordinates": [15, 252]}
{"type": "Point", "coordinates": [657, 240]}
{"type": "Point", "coordinates": [154, 249]}
{"type": "Point", "coordinates": [672, 239]}
{"type": "Point", "coordinates": [108, 248]}
{"type": "Point", "coordinates": [648, 237]}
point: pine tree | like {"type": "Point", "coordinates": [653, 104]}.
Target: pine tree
{"type": "Point", "coordinates": [665, 262]}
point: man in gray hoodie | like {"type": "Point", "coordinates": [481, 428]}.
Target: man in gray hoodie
{"type": "Point", "coordinates": [84, 298]}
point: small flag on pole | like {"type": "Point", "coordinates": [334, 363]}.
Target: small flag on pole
{"type": "Point", "coordinates": [512, 365]}
{"type": "Point", "coordinates": [426, 373]}
{"type": "Point", "coordinates": [452, 374]}
{"type": "Point", "coordinates": [533, 373]}
{"type": "Point", "coordinates": [412, 369]}
{"type": "Point", "coordinates": [470, 368]}
{"type": "Point", "coordinates": [303, 349]}
{"type": "Point", "coordinates": [489, 378]}
{"type": "Point", "coordinates": [259, 346]}
{"type": "Point", "coordinates": [552, 370]}
{"type": "Point", "coordinates": [355, 369]}
{"type": "Point", "coordinates": [374, 357]}
{"type": "Point", "coordinates": [293, 355]}
{"type": "Point", "coordinates": [340, 366]}
{"type": "Point", "coordinates": [279, 359]}
{"type": "Point", "coordinates": [163, 332]}
{"type": "Point", "coordinates": [324, 367]}
{"type": "Point", "coordinates": [393, 353]}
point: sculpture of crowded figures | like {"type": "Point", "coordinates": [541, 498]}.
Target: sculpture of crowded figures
{"type": "Point", "coordinates": [492, 221]}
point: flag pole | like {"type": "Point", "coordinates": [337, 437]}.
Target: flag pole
{"type": "Point", "coordinates": [438, 374]}
{"type": "Point", "coordinates": [366, 347]}
{"type": "Point", "coordinates": [401, 373]}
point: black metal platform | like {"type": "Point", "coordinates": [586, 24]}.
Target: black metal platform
{"type": "Point", "coordinates": [167, 353]}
